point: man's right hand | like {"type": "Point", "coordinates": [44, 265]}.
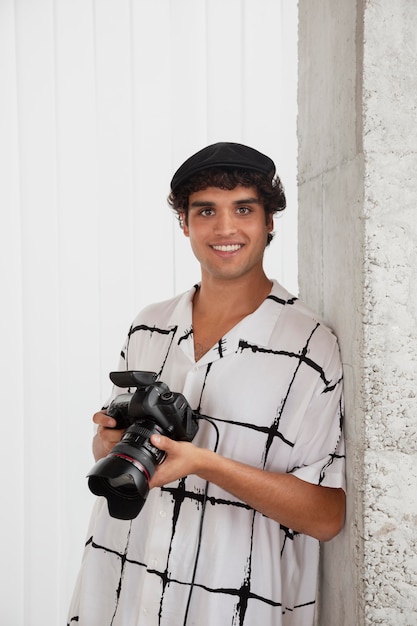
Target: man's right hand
{"type": "Point", "coordinates": [106, 436]}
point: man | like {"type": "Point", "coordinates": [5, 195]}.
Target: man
{"type": "Point", "coordinates": [230, 531]}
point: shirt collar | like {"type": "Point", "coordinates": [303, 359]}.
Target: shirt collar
{"type": "Point", "coordinates": [255, 328]}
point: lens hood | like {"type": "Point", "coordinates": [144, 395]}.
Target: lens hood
{"type": "Point", "coordinates": [123, 481]}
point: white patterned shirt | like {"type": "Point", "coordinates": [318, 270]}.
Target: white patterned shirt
{"type": "Point", "coordinates": [195, 554]}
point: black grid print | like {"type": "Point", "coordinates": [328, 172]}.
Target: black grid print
{"type": "Point", "coordinates": [205, 498]}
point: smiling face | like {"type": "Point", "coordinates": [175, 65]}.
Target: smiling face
{"type": "Point", "coordinates": [228, 231]}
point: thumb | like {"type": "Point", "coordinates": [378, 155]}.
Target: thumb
{"type": "Point", "coordinates": [160, 442]}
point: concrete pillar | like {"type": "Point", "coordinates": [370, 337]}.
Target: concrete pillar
{"type": "Point", "coordinates": [358, 267]}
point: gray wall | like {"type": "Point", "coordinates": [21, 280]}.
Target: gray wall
{"type": "Point", "coordinates": [358, 267]}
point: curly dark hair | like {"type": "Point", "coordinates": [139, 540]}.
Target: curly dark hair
{"type": "Point", "coordinates": [271, 192]}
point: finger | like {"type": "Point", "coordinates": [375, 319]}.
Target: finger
{"type": "Point", "coordinates": [161, 442]}
{"type": "Point", "coordinates": [102, 419]}
{"type": "Point", "coordinates": [110, 434]}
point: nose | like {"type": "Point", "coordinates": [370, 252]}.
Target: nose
{"type": "Point", "coordinates": [225, 224]}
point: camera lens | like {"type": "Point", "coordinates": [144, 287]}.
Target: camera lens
{"type": "Point", "coordinates": [123, 484]}
{"type": "Point", "coordinates": [122, 477]}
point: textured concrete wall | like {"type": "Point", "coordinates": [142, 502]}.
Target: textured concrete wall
{"type": "Point", "coordinates": [390, 311]}
{"type": "Point", "coordinates": [358, 267]}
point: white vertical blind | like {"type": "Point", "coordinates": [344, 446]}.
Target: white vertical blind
{"type": "Point", "coordinates": [100, 101]}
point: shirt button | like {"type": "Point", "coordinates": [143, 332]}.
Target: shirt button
{"type": "Point", "coordinates": [154, 562]}
{"type": "Point", "coordinates": [162, 513]}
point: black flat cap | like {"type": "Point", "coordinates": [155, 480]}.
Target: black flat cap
{"type": "Point", "coordinates": [224, 155]}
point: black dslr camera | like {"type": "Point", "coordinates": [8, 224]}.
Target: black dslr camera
{"type": "Point", "coordinates": [122, 477]}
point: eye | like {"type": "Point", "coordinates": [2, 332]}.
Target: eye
{"type": "Point", "coordinates": [243, 210]}
{"type": "Point", "coordinates": [206, 212]}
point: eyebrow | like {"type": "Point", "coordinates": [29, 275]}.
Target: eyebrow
{"type": "Point", "coordinates": [202, 203]}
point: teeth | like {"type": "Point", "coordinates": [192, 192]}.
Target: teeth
{"type": "Point", "coordinates": [228, 248]}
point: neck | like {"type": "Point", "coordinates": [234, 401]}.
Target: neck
{"type": "Point", "coordinates": [237, 297]}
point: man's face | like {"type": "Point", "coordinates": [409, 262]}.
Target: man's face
{"type": "Point", "coordinates": [228, 231]}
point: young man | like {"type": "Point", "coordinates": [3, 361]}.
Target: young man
{"type": "Point", "coordinates": [230, 531]}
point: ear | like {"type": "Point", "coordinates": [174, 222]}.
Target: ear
{"type": "Point", "coordinates": [270, 222]}
{"type": "Point", "coordinates": [184, 225]}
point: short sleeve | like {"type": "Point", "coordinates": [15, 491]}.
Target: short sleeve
{"type": "Point", "coordinates": [318, 455]}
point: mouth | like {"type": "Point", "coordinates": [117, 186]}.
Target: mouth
{"type": "Point", "coordinates": [229, 247]}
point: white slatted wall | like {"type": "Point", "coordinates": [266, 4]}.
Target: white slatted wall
{"type": "Point", "coordinates": [100, 100]}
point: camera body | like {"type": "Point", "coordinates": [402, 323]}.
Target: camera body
{"type": "Point", "coordinates": [122, 477]}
